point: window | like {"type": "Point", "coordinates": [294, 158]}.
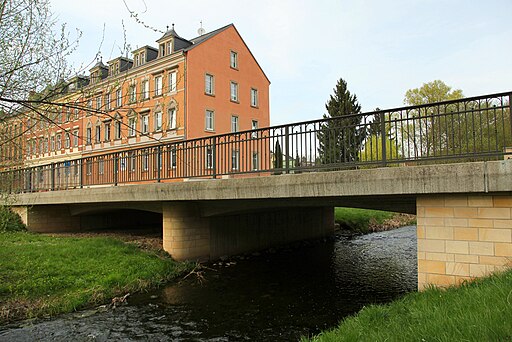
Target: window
{"type": "Point", "coordinates": [208, 84]}
{"type": "Point", "coordinates": [209, 157]}
{"type": "Point", "coordinates": [144, 124]}
{"type": "Point", "coordinates": [234, 91]}
{"type": "Point", "coordinates": [88, 166]}
{"type": "Point", "coordinates": [162, 50]}
{"type": "Point", "coordinates": [209, 120]}
{"type": "Point", "coordinates": [98, 133]}
{"type": "Point", "coordinates": [101, 166]}
{"type": "Point", "coordinates": [254, 125]}
{"type": "Point", "coordinates": [235, 159]}
{"type": "Point", "coordinates": [142, 57]}
{"type": "Point", "coordinates": [98, 102]}
{"type": "Point", "coordinates": [67, 141]}
{"type": "Point", "coordinates": [172, 118]}
{"type": "Point", "coordinates": [132, 123]}
{"type": "Point", "coordinates": [107, 131]}
{"type": "Point", "coordinates": [234, 60]}
{"type": "Point", "coordinates": [117, 129]}
{"type": "Point", "coordinates": [158, 85]}
{"type": "Point", "coordinates": [68, 114]}
{"type": "Point", "coordinates": [255, 161]}
{"type": "Point", "coordinates": [133, 162]}
{"type": "Point", "coordinates": [145, 161]}
{"type": "Point", "coordinates": [107, 101]}
{"type": "Point", "coordinates": [52, 144]}
{"type": "Point", "coordinates": [58, 141]}
{"type": "Point", "coordinates": [88, 136]}
{"type": "Point", "coordinates": [172, 157]}
{"type": "Point", "coordinates": [145, 89]}
{"type": "Point", "coordinates": [122, 163]}
{"type": "Point", "coordinates": [76, 114]}
{"type": "Point", "coordinates": [75, 138]}
{"type": "Point", "coordinates": [137, 63]}
{"type": "Point", "coordinates": [172, 81]}
{"type": "Point", "coordinates": [254, 97]}
{"type": "Point", "coordinates": [119, 97]}
{"type": "Point", "coordinates": [234, 123]}
{"type": "Point", "coordinates": [169, 47]}
{"type": "Point", "coordinates": [133, 93]}
{"type": "Point", "coordinates": [158, 121]}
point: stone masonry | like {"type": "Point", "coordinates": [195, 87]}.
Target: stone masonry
{"type": "Point", "coordinates": [462, 237]}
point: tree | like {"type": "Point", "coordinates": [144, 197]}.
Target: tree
{"type": "Point", "coordinates": [341, 137]}
{"type": "Point", "coordinates": [432, 130]}
{"type": "Point", "coordinates": [32, 61]}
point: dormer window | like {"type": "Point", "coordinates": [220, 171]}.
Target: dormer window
{"type": "Point", "coordinates": [142, 58]}
{"type": "Point", "coordinates": [169, 47]}
{"type": "Point", "coordinates": [162, 50]}
{"type": "Point", "coordinates": [137, 63]}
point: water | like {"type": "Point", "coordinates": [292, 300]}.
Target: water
{"type": "Point", "coordinates": [272, 296]}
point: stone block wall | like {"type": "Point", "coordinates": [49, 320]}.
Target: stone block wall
{"type": "Point", "coordinates": [462, 237]}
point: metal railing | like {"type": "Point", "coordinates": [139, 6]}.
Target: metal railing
{"type": "Point", "coordinates": [470, 129]}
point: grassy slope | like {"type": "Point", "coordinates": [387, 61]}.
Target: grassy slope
{"type": "Point", "coordinates": [479, 311]}
{"type": "Point", "coordinates": [359, 220]}
{"type": "Point", "coordinates": [48, 275]}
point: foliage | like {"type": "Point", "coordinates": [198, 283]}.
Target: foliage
{"type": "Point", "coordinates": [476, 311]}
{"type": "Point", "coordinates": [50, 275]}
{"type": "Point", "coordinates": [10, 221]}
{"type": "Point", "coordinates": [341, 139]}
{"type": "Point", "coordinates": [358, 220]}
{"type": "Point", "coordinates": [433, 124]}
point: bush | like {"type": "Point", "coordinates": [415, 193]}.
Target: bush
{"type": "Point", "coordinates": [10, 221]}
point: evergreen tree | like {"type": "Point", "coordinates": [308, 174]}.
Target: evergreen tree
{"type": "Point", "coordinates": [340, 138]}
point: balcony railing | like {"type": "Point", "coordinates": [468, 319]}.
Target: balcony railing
{"type": "Point", "coordinates": [470, 129]}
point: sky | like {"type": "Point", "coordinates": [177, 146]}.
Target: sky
{"type": "Point", "coordinates": [380, 48]}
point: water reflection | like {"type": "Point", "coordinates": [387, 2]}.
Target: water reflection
{"type": "Point", "coordinates": [273, 296]}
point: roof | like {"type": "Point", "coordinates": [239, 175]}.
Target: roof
{"type": "Point", "coordinates": [170, 33]}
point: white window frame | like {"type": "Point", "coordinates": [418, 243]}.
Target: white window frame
{"type": "Point", "coordinates": [97, 134]}
{"type": "Point", "coordinates": [254, 125]}
{"type": "Point", "coordinates": [254, 97]}
{"type": "Point", "coordinates": [145, 89]}
{"type": "Point", "coordinates": [144, 124]}
{"type": "Point", "coordinates": [235, 124]}
{"type": "Point", "coordinates": [173, 81]}
{"type": "Point", "coordinates": [132, 126]}
{"type": "Point", "coordinates": [67, 140]}
{"type": "Point", "coordinates": [233, 59]}
{"type": "Point", "coordinates": [158, 85]}
{"type": "Point", "coordinates": [209, 157]}
{"type": "Point", "coordinates": [133, 93]}
{"type": "Point", "coordinates": [209, 120]}
{"type": "Point", "coordinates": [119, 97]}
{"type": "Point", "coordinates": [209, 84]}
{"type": "Point", "coordinates": [255, 160]}
{"type": "Point", "coordinates": [171, 115]}
{"type": "Point", "coordinates": [235, 160]}
{"type": "Point", "coordinates": [106, 133]}
{"type": "Point", "coordinates": [117, 129]}
{"type": "Point", "coordinates": [158, 121]}
{"type": "Point", "coordinates": [233, 91]}
{"type": "Point", "coordinates": [75, 138]}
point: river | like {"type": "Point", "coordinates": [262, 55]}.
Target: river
{"type": "Point", "coordinates": [276, 295]}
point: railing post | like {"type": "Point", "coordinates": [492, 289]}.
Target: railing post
{"type": "Point", "coordinates": [287, 149]}
{"type": "Point", "coordinates": [214, 157]}
{"type": "Point", "coordinates": [159, 163]}
{"type": "Point", "coordinates": [81, 175]}
{"type": "Point", "coordinates": [52, 171]}
{"type": "Point", "coordinates": [115, 169]}
{"type": "Point", "coordinates": [383, 137]}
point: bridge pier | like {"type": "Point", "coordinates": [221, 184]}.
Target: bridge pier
{"type": "Point", "coordinates": [48, 218]}
{"type": "Point", "coordinates": [189, 236]}
{"type": "Point", "coordinates": [462, 237]}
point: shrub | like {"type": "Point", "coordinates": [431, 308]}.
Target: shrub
{"type": "Point", "coordinates": [10, 221]}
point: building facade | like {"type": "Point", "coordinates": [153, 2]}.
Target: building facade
{"type": "Point", "coordinates": [182, 90]}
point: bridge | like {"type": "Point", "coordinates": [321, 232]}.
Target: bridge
{"type": "Point", "coordinates": [447, 162]}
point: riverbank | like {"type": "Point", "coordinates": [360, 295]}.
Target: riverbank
{"type": "Point", "coordinates": [47, 275]}
{"type": "Point", "coordinates": [364, 221]}
{"type": "Point", "coordinates": [476, 311]}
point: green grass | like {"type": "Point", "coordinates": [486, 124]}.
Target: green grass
{"type": "Point", "coordinates": [478, 311]}
{"type": "Point", "coordinates": [43, 275]}
{"type": "Point", "coordinates": [358, 220]}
